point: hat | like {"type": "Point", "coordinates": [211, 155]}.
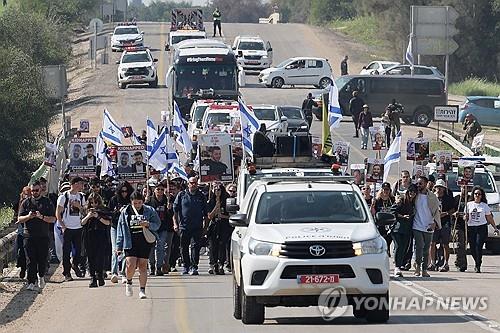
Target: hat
{"type": "Point", "coordinates": [366, 106]}
{"type": "Point", "coordinates": [440, 183]}
{"type": "Point", "coordinates": [442, 176]}
{"type": "Point", "coordinates": [431, 178]}
{"type": "Point", "coordinates": [386, 185]}
{"type": "Point", "coordinates": [469, 115]}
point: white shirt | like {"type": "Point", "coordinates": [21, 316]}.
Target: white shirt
{"type": "Point", "coordinates": [423, 217]}
{"type": "Point", "coordinates": [71, 215]}
{"type": "Point", "coordinates": [477, 213]}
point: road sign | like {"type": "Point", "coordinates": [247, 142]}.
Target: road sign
{"type": "Point", "coordinates": [96, 25]}
{"type": "Point", "coordinates": [446, 113]}
{"type": "Point", "coordinates": [435, 14]}
{"type": "Point", "coordinates": [54, 77]}
{"type": "Point", "coordinates": [434, 46]}
{"type": "Point", "coordinates": [102, 42]}
{"type": "Point", "coordinates": [434, 30]}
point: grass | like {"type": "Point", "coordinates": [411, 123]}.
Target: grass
{"type": "Point", "coordinates": [440, 145]}
{"type": "Point", "coordinates": [6, 215]}
{"type": "Point", "coordinates": [475, 87]}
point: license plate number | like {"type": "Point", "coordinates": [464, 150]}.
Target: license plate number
{"type": "Point", "coordinates": [318, 279]}
{"type": "Point", "coordinates": [136, 77]}
{"type": "Point", "coordinates": [252, 61]}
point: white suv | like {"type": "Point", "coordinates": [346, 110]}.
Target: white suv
{"type": "Point", "coordinates": [295, 238]}
{"type": "Point", "coordinates": [126, 35]}
{"type": "Point", "coordinates": [254, 54]}
{"type": "Point", "coordinates": [137, 65]}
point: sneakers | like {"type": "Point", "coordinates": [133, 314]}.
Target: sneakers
{"type": "Point", "coordinates": [100, 281]}
{"type": "Point", "coordinates": [78, 272]}
{"type": "Point", "coordinates": [219, 270]}
{"type": "Point", "coordinates": [397, 272]}
{"type": "Point", "coordinates": [93, 283]}
{"type": "Point", "coordinates": [417, 271]}
{"type": "Point", "coordinates": [114, 278]}
{"type": "Point", "coordinates": [142, 295]}
{"type": "Point", "coordinates": [211, 270]}
{"type": "Point", "coordinates": [68, 278]}
{"type": "Point", "coordinates": [425, 274]}
{"type": "Point", "coordinates": [31, 287]}
{"type": "Point", "coordinates": [185, 271]}
{"type": "Point", "coordinates": [462, 269]}
{"type": "Point", "coordinates": [128, 290]}
{"type": "Point", "coordinates": [432, 267]}
{"type": "Point", "coordinates": [194, 271]}
{"type": "Point", "coordinates": [41, 282]}
{"type": "Point", "coordinates": [124, 279]}
{"type": "Point", "coordinates": [445, 268]}
{"type": "Point", "coordinates": [159, 272]}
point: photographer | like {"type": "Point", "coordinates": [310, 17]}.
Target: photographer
{"type": "Point", "coordinates": [37, 215]}
{"type": "Point", "coordinates": [95, 237]}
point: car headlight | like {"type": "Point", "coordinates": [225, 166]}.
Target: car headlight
{"type": "Point", "coordinates": [371, 246]}
{"type": "Point", "coordinates": [265, 57]}
{"type": "Point", "coordinates": [304, 127]}
{"type": "Point", "coordinates": [260, 248]}
{"type": "Point", "coordinates": [123, 70]}
{"type": "Point", "coordinates": [495, 207]}
{"type": "Point", "coordinates": [139, 38]}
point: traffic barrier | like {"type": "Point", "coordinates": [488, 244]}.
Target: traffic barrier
{"type": "Point", "coordinates": [107, 27]}
{"type": "Point", "coordinates": [460, 147]}
{"type": "Point", "coordinates": [7, 250]}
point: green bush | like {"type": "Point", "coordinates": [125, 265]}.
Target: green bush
{"type": "Point", "coordinates": [6, 215]}
{"type": "Point", "coordinates": [475, 87]}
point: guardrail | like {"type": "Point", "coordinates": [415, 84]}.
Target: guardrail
{"type": "Point", "coordinates": [7, 250]}
{"type": "Point", "coordinates": [457, 145]}
{"type": "Point", "coordinates": [107, 27]}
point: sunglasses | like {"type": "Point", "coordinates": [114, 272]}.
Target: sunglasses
{"type": "Point", "coordinates": [35, 190]}
{"type": "Point", "coordinates": [124, 191]}
{"type": "Point", "coordinates": [478, 193]}
{"type": "Point", "coordinates": [159, 189]}
{"type": "Point", "coordinates": [193, 182]}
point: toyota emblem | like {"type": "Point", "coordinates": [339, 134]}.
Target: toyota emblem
{"type": "Point", "coordinates": [317, 250]}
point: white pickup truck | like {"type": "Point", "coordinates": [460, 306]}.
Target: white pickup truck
{"type": "Point", "coordinates": [254, 54]}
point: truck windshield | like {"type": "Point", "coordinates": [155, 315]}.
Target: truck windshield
{"type": "Point", "coordinates": [178, 39]}
{"type": "Point", "coordinates": [259, 46]}
{"type": "Point", "coordinates": [126, 31]}
{"type": "Point", "coordinates": [191, 78]}
{"type": "Point", "coordinates": [135, 57]}
{"type": "Point", "coordinates": [310, 207]}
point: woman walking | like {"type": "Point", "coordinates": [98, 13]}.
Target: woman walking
{"type": "Point", "coordinates": [95, 225]}
{"type": "Point", "coordinates": [219, 230]}
{"type": "Point", "coordinates": [134, 237]}
{"type": "Point", "coordinates": [478, 215]}
{"type": "Point", "coordinates": [383, 203]}
{"type": "Point", "coordinates": [21, 255]}
{"type": "Point", "coordinates": [404, 211]}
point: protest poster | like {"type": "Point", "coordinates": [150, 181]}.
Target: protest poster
{"type": "Point", "coordinates": [465, 174]}
{"type": "Point", "coordinates": [50, 154]}
{"type": "Point", "coordinates": [377, 136]}
{"type": "Point", "coordinates": [341, 152]}
{"type": "Point", "coordinates": [358, 172]}
{"type": "Point", "coordinates": [84, 126]}
{"type": "Point", "coordinates": [316, 146]}
{"type": "Point", "coordinates": [82, 160]}
{"type": "Point", "coordinates": [417, 149]}
{"type": "Point", "coordinates": [127, 132]}
{"type": "Point", "coordinates": [443, 161]}
{"type": "Point", "coordinates": [216, 157]}
{"type": "Point", "coordinates": [130, 163]}
{"type": "Point", "coordinates": [477, 142]}
{"type": "Point", "coordinates": [419, 171]}
{"type": "Point", "coordinates": [374, 170]}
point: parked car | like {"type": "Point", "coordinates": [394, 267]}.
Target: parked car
{"type": "Point", "coordinates": [418, 94]}
{"type": "Point", "coordinates": [266, 114]}
{"type": "Point", "coordinates": [375, 67]}
{"type": "Point", "coordinates": [298, 71]}
{"type": "Point", "coordinates": [417, 70]}
{"type": "Point", "coordinates": [296, 119]}
{"type": "Point", "coordinates": [486, 109]}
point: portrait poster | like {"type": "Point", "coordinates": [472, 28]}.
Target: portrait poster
{"type": "Point", "coordinates": [443, 161]}
{"type": "Point", "coordinates": [377, 136]}
{"type": "Point", "coordinates": [466, 169]}
{"type": "Point", "coordinates": [50, 154]}
{"type": "Point", "coordinates": [375, 170]}
{"type": "Point", "coordinates": [477, 142]}
{"type": "Point", "coordinates": [82, 157]}
{"type": "Point", "coordinates": [341, 152]}
{"type": "Point", "coordinates": [84, 126]}
{"type": "Point", "coordinates": [317, 147]}
{"type": "Point", "coordinates": [418, 149]}
{"type": "Point", "coordinates": [216, 157]}
{"type": "Point", "coordinates": [358, 172]}
{"type": "Point", "coordinates": [131, 165]}
{"type": "Point", "coordinates": [419, 171]}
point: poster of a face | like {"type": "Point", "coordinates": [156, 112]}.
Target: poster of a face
{"type": "Point", "coordinates": [443, 161]}
{"type": "Point", "coordinates": [358, 172]}
{"type": "Point", "coordinates": [317, 147]}
{"type": "Point", "coordinates": [82, 159]}
{"type": "Point", "coordinates": [127, 132]}
{"type": "Point", "coordinates": [477, 142]}
{"type": "Point", "coordinates": [341, 152]}
{"type": "Point", "coordinates": [375, 170]}
{"type": "Point", "coordinates": [377, 136]}
{"type": "Point", "coordinates": [216, 157]}
{"type": "Point", "coordinates": [84, 126]}
{"type": "Point", "coordinates": [50, 154]}
{"type": "Point", "coordinates": [466, 171]}
{"type": "Point", "coordinates": [417, 149]}
{"type": "Point", "coordinates": [131, 164]}
{"type": "Point", "coordinates": [419, 171]}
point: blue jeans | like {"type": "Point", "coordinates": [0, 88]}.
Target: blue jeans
{"type": "Point", "coordinates": [157, 254]}
{"type": "Point", "coordinates": [168, 247]}
{"type": "Point", "coordinates": [115, 259]}
{"type": "Point", "coordinates": [364, 137]}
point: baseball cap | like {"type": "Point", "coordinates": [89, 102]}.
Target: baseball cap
{"type": "Point", "coordinates": [440, 183]}
{"type": "Point", "coordinates": [431, 178]}
{"type": "Point", "coordinates": [366, 106]}
{"type": "Point", "coordinates": [386, 185]}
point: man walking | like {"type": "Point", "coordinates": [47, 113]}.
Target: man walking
{"type": "Point", "coordinates": [69, 209]}
{"type": "Point", "coordinates": [343, 66]}
{"type": "Point", "coordinates": [396, 112]}
{"type": "Point", "coordinates": [356, 107]}
{"type": "Point", "coordinates": [190, 219]}
{"type": "Point", "coordinates": [159, 202]}
{"type": "Point", "coordinates": [217, 21]}
{"type": "Point", "coordinates": [471, 128]}
{"type": "Point", "coordinates": [307, 106]}
{"type": "Point", "coordinates": [364, 123]}
{"type": "Point", "coordinates": [36, 214]}
{"type": "Point", "coordinates": [427, 219]}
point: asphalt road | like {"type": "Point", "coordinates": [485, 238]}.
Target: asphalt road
{"type": "Point", "coordinates": [204, 304]}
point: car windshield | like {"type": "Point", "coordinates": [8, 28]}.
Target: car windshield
{"type": "Point", "coordinates": [191, 78]}
{"type": "Point", "coordinates": [199, 111]}
{"type": "Point", "coordinates": [259, 46]}
{"type": "Point", "coordinates": [310, 207]}
{"type": "Point", "coordinates": [384, 66]}
{"type": "Point", "coordinates": [482, 179]}
{"type": "Point", "coordinates": [218, 119]}
{"type": "Point", "coordinates": [126, 31]}
{"type": "Point", "coordinates": [341, 82]}
{"type": "Point", "coordinates": [249, 179]}
{"type": "Point", "coordinates": [135, 57]}
{"type": "Point", "coordinates": [284, 63]}
{"type": "Point", "coordinates": [177, 39]}
{"type": "Point", "coordinates": [265, 113]}
{"type": "Point", "coordinates": [291, 112]}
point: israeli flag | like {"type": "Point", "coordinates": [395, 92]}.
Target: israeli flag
{"type": "Point", "coordinates": [409, 53]}
{"type": "Point", "coordinates": [393, 155]}
{"type": "Point", "coordinates": [110, 130]}
{"type": "Point", "coordinates": [334, 111]}
{"type": "Point", "coordinates": [179, 129]}
{"type": "Point", "coordinates": [249, 125]}
{"type": "Point", "coordinates": [179, 171]}
{"type": "Point", "coordinates": [107, 167]}
{"type": "Point", "coordinates": [100, 148]}
{"type": "Point", "coordinates": [152, 136]}
{"type": "Point", "coordinates": [163, 155]}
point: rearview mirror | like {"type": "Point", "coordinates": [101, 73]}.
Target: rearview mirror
{"type": "Point", "coordinates": [199, 124]}
{"type": "Point", "coordinates": [238, 220]}
{"type": "Point", "coordinates": [117, 62]}
{"type": "Point", "coordinates": [142, 32]}
{"type": "Point", "coordinates": [382, 219]}
{"type": "Point", "coordinates": [155, 60]}
{"type": "Point", "coordinates": [270, 49]}
{"type": "Point", "coordinates": [231, 205]}
{"type": "Point", "coordinates": [240, 53]}
{"type": "Point", "coordinates": [364, 67]}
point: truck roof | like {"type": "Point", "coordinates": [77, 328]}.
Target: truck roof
{"type": "Point", "coordinates": [187, 19]}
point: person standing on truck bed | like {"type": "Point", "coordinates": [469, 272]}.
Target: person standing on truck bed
{"type": "Point", "coordinates": [217, 22]}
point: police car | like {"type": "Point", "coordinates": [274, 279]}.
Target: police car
{"type": "Point", "coordinates": [136, 66]}
{"type": "Point", "coordinates": [126, 35]}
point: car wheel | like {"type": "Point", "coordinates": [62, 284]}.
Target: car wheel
{"type": "Point", "coordinates": [251, 311]}
{"type": "Point", "coordinates": [236, 300]}
{"type": "Point", "coordinates": [422, 117]}
{"type": "Point", "coordinates": [325, 82]}
{"type": "Point", "coordinates": [277, 82]}
{"type": "Point", "coordinates": [154, 84]}
{"type": "Point", "coordinates": [122, 85]}
{"type": "Point", "coordinates": [407, 120]}
{"type": "Point", "coordinates": [493, 246]}
{"type": "Point", "coordinates": [381, 314]}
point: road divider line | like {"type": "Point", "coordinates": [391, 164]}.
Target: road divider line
{"type": "Point", "coordinates": [181, 310]}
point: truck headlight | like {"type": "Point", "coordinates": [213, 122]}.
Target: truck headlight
{"type": "Point", "coordinates": [260, 248]}
{"type": "Point", "coordinates": [265, 57]}
{"type": "Point", "coordinates": [371, 246]}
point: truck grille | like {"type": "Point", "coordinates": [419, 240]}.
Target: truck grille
{"type": "Point", "coordinates": [131, 41]}
{"type": "Point", "coordinates": [332, 249]}
{"type": "Point", "coordinates": [252, 57]}
{"type": "Point", "coordinates": [137, 71]}
{"type": "Point", "coordinates": [291, 272]}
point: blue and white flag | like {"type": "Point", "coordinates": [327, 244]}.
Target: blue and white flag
{"type": "Point", "coordinates": [100, 148]}
{"type": "Point", "coordinates": [107, 167]}
{"type": "Point", "coordinates": [393, 155]}
{"type": "Point", "coordinates": [163, 155]}
{"type": "Point", "coordinates": [151, 136]}
{"type": "Point", "coordinates": [409, 53]}
{"type": "Point", "coordinates": [111, 132]}
{"type": "Point", "coordinates": [179, 171]}
{"type": "Point", "coordinates": [334, 111]}
{"type": "Point", "coordinates": [249, 125]}
{"type": "Point", "coordinates": [179, 129]}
